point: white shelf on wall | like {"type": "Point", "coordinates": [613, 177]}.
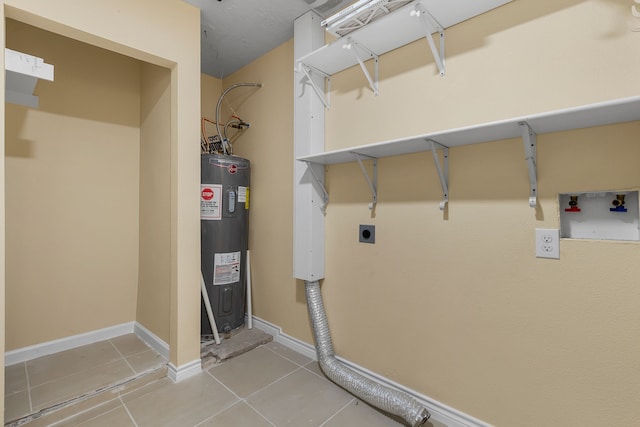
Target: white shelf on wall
{"type": "Point", "coordinates": [598, 114]}
{"type": "Point", "coordinates": [618, 111]}
{"type": "Point", "coordinates": [22, 74]}
{"type": "Point", "coordinates": [398, 28]}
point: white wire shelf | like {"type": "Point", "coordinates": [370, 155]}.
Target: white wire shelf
{"type": "Point", "coordinates": [395, 30]}
{"type": "Point", "coordinates": [348, 20]}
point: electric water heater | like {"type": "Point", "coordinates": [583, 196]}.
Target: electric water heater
{"type": "Point", "coordinates": [224, 232]}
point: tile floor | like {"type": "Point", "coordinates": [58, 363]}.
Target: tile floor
{"type": "Point", "coordinates": [271, 385]}
{"type": "Point", "coordinates": [53, 379]}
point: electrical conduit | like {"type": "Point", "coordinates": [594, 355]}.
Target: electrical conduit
{"type": "Point", "coordinates": [390, 400]}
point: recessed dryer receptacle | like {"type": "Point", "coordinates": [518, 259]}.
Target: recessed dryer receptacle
{"type": "Point", "coordinates": [600, 215]}
{"type": "Point", "coordinates": [367, 234]}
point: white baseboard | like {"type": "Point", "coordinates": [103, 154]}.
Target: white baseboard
{"type": "Point", "coordinates": [182, 372]}
{"type": "Point", "coordinates": [175, 373]}
{"type": "Point", "coordinates": [284, 339]}
{"type": "Point", "coordinates": [445, 414]}
{"type": "Point", "coordinates": [440, 412]}
{"type": "Point", "coordinates": [38, 350]}
{"type": "Point", "coordinates": [34, 351]}
{"type": "Point", "coordinates": [152, 340]}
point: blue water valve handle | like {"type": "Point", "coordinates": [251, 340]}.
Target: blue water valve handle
{"type": "Point", "coordinates": [618, 209]}
{"type": "Point", "coordinates": [618, 204]}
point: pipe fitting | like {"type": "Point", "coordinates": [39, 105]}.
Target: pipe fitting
{"type": "Point", "coordinates": [619, 200]}
{"type": "Point", "coordinates": [573, 205]}
{"type": "Point", "coordinates": [618, 204]}
{"type": "Point", "coordinates": [226, 147]}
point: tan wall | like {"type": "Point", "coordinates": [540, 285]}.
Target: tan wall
{"type": "Point", "coordinates": [71, 208]}
{"type": "Point", "coordinates": [457, 306]}
{"type": "Point", "coordinates": [523, 58]}
{"type": "Point", "coordinates": [458, 301]}
{"type": "Point", "coordinates": [154, 286]}
{"type": "Point", "coordinates": [268, 143]}
{"type": "Point", "coordinates": [210, 89]}
{"type": "Point", "coordinates": [165, 34]}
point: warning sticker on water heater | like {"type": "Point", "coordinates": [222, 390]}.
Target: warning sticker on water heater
{"type": "Point", "coordinates": [243, 196]}
{"type": "Point", "coordinates": [211, 201]}
{"type": "Point", "coordinates": [226, 268]}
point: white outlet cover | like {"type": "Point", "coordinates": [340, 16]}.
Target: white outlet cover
{"type": "Point", "coordinates": [548, 243]}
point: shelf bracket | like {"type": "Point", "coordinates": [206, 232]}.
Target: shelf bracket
{"type": "Point", "coordinates": [371, 181]}
{"type": "Point", "coordinates": [325, 194]}
{"type": "Point", "coordinates": [308, 70]}
{"type": "Point", "coordinates": [443, 170]}
{"type": "Point", "coordinates": [530, 142]}
{"type": "Point", "coordinates": [351, 45]}
{"type": "Point", "coordinates": [22, 72]}
{"type": "Point", "coordinates": [430, 25]}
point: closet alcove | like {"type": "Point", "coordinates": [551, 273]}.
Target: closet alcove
{"type": "Point", "coordinates": [87, 194]}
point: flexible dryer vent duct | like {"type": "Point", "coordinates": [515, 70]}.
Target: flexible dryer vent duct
{"type": "Point", "coordinates": [390, 400]}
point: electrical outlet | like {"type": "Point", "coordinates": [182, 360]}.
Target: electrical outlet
{"type": "Point", "coordinates": [367, 233]}
{"type": "Point", "coordinates": [548, 243]}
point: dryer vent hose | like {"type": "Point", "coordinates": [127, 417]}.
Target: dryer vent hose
{"type": "Point", "coordinates": [390, 400]}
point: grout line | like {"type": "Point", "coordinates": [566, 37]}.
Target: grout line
{"type": "Point", "coordinates": [64, 421]}
{"type": "Point", "coordinates": [284, 357]}
{"type": "Point", "coordinates": [245, 398]}
{"type": "Point", "coordinates": [314, 372]}
{"type": "Point", "coordinates": [127, 409]}
{"type": "Point", "coordinates": [260, 413]}
{"type": "Point", "coordinates": [223, 385]}
{"type": "Point", "coordinates": [124, 358]}
{"type": "Point", "coordinates": [52, 381]}
{"type": "Point", "coordinates": [52, 405]}
{"type": "Point", "coordinates": [74, 372]}
{"type": "Point", "coordinates": [55, 406]}
{"type": "Point", "coordinates": [216, 414]}
{"type": "Point", "coordinates": [322, 376]}
{"type": "Point", "coordinates": [224, 409]}
{"type": "Point", "coordinates": [240, 399]}
{"type": "Point", "coordinates": [337, 412]}
{"type": "Point", "coordinates": [26, 372]}
{"type": "Point", "coordinates": [278, 380]}
{"type": "Point", "coordinates": [92, 388]}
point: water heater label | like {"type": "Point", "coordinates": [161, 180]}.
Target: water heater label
{"type": "Point", "coordinates": [226, 268]}
{"type": "Point", "coordinates": [243, 196]}
{"type": "Point", "coordinates": [211, 201]}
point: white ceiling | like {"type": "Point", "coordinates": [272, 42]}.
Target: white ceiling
{"type": "Point", "coordinates": [236, 32]}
